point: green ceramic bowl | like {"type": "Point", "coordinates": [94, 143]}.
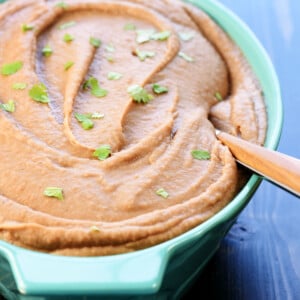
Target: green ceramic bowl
{"type": "Point", "coordinates": [163, 271]}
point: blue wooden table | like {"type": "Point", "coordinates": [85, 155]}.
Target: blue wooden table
{"type": "Point", "coordinates": [260, 257]}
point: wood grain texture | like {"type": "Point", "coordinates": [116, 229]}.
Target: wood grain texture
{"type": "Point", "coordinates": [260, 257]}
{"type": "Point", "coordinates": [277, 167]}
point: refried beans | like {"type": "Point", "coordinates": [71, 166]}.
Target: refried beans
{"type": "Point", "coordinates": [108, 112]}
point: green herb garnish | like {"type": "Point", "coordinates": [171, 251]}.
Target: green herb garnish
{"type": "Point", "coordinates": [66, 25]}
{"type": "Point", "coordinates": [139, 94]}
{"type": "Point", "coordinates": [142, 55]}
{"type": "Point", "coordinates": [110, 48]}
{"type": "Point", "coordinates": [162, 193]}
{"type": "Point", "coordinates": [110, 59]}
{"type": "Point", "coordinates": [61, 4]}
{"type": "Point", "coordinates": [114, 76]}
{"type": "Point", "coordinates": [159, 89]}
{"type": "Point", "coordinates": [144, 36]}
{"type": "Point", "coordinates": [85, 121]}
{"type": "Point", "coordinates": [103, 152]}
{"type": "Point", "coordinates": [218, 96]}
{"type": "Point", "coordinates": [47, 51]}
{"type": "Point", "coordinates": [68, 65]}
{"type": "Point", "coordinates": [95, 42]}
{"type": "Point", "coordinates": [11, 68]}
{"type": "Point", "coordinates": [68, 38]}
{"type": "Point", "coordinates": [19, 86]}
{"type": "Point", "coordinates": [186, 36]}
{"type": "Point", "coordinates": [147, 35]}
{"type": "Point", "coordinates": [54, 192]}
{"type": "Point", "coordinates": [27, 27]}
{"type": "Point", "coordinates": [161, 36]}
{"type": "Point", "coordinates": [96, 90]}
{"type": "Point", "coordinates": [129, 26]}
{"type": "Point", "coordinates": [39, 93]}
{"type": "Point", "coordinates": [185, 57]}
{"type": "Point", "coordinates": [9, 106]}
{"type": "Point", "coordinates": [200, 154]}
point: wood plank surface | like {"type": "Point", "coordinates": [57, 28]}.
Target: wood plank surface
{"type": "Point", "coordinates": [260, 257]}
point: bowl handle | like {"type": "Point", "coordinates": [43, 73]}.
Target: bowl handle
{"type": "Point", "coordinates": [35, 273]}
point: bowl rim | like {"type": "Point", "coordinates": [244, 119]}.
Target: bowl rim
{"type": "Point", "coordinates": [264, 69]}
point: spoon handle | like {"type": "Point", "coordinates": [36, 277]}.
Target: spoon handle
{"type": "Point", "coordinates": [274, 166]}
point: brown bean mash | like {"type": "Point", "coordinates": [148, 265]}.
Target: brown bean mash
{"type": "Point", "coordinates": [107, 110]}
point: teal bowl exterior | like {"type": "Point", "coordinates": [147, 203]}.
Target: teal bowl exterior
{"type": "Point", "coordinates": [164, 271]}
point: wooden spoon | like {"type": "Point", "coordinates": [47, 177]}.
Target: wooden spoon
{"type": "Point", "coordinates": [278, 168]}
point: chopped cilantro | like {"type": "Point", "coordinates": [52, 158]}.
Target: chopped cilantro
{"type": "Point", "coordinates": [54, 192]}
{"type": "Point", "coordinates": [62, 4]}
{"type": "Point", "coordinates": [39, 93]}
{"type": "Point", "coordinates": [11, 68]}
{"type": "Point", "coordinates": [161, 36]}
{"type": "Point", "coordinates": [110, 48]}
{"type": "Point", "coordinates": [147, 35]}
{"type": "Point", "coordinates": [19, 86]}
{"type": "Point", "coordinates": [186, 36]}
{"type": "Point", "coordinates": [200, 154]}
{"type": "Point", "coordinates": [9, 106]}
{"type": "Point", "coordinates": [47, 51]}
{"type": "Point", "coordinates": [85, 121]}
{"type": "Point", "coordinates": [95, 42]}
{"type": "Point", "coordinates": [68, 65]}
{"type": "Point", "coordinates": [96, 90]}
{"type": "Point", "coordinates": [185, 57]}
{"type": "Point", "coordinates": [139, 94]}
{"type": "Point", "coordinates": [129, 26]}
{"type": "Point", "coordinates": [144, 36]}
{"type": "Point", "coordinates": [218, 96]}
{"type": "Point", "coordinates": [142, 55]}
{"type": "Point", "coordinates": [114, 75]}
{"type": "Point", "coordinates": [66, 25]}
{"type": "Point", "coordinates": [27, 27]}
{"type": "Point", "coordinates": [162, 193]}
{"type": "Point", "coordinates": [97, 115]}
{"type": "Point", "coordinates": [103, 152]}
{"type": "Point", "coordinates": [68, 38]}
{"type": "Point", "coordinates": [159, 89]}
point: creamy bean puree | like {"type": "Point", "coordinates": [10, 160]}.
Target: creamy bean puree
{"type": "Point", "coordinates": [107, 122]}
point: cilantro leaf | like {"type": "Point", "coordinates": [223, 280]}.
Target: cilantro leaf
{"type": "Point", "coordinates": [68, 38]}
{"type": "Point", "coordinates": [85, 121]}
{"type": "Point", "coordinates": [139, 94]}
{"type": "Point", "coordinates": [27, 27]}
{"type": "Point", "coordinates": [129, 26]}
{"type": "Point", "coordinates": [39, 93]}
{"type": "Point", "coordinates": [200, 154]}
{"type": "Point", "coordinates": [218, 96]}
{"type": "Point", "coordinates": [54, 192]}
{"type": "Point", "coordinates": [103, 152]}
{"type": "Point", "coordinates": [185, 57]}
{"type": "Point", "coordinates": [96, 90]}
{"type": "Point", "coordinates": [142, 55]}
{"type": "Point", "coordinates": [144, 36]}
{"type": "Point", "coordinates": [186, 36]}
{"type": "Point", "coordinates": [68, 65]}
{"type": "Point", "coordinates": [47, 51]}
{"type": "Point", "coordinates": [19, 86]}
{"type": "Point", "coordinates": [114, 75]}
{"type": "Point", "coordinates": [62, 4]}
{"type": "Point", "coordinates": [11, 68]}
{"type": "Point", "coordinates": [159, 89]}
{"type": "Point", "coordinates": [9, 106]}
{"type": "Point", "coordinates": [95, 42]}
{"type": "Point", "coordinates": [110, 48]}
{"type": "Point", "coordinates": [162, 193]}
{"type": "Point", "coordinates": [66, 25]}
{"type": "Point", "coordinates": [161, 36]}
